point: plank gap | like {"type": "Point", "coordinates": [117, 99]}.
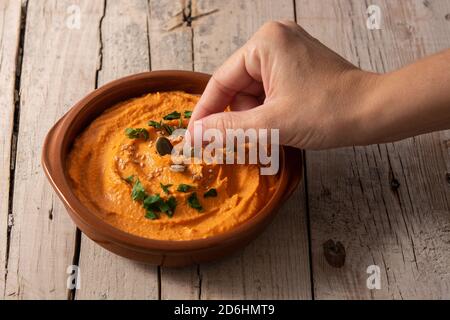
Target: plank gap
{"type": "Point", "coordinates": [199, 276]}
{"type": "Point", "coordinates": [71, 294]}
{"type": "Point", "coordinates": [15, 131]}
{"type": "Point", "coordinates": [294, 5]}
{"type": "Point", "coordinates": [158, 268]}
{"type": "Point", "coordinates": [188, 19]}
{"type": "Point", "coordinates": [100, 39]}
{"type": "Point", "coordinates": [148, 36]}
{"type": "Point", "coordinates": [308, 224]}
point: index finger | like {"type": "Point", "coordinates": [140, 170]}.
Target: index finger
{"type": "Point", "coordinates": [225, 83]}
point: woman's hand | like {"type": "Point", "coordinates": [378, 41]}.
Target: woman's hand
{"type": "Point", "coordinates": [283, 78]}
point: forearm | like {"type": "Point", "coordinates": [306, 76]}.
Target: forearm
{"type": "Point", "coordinates": [409, 101]}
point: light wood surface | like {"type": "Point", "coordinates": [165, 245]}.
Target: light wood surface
{"type": "Point", "coordinates": [124, 50]}
{"type": "Point", "coordinates": [404, 231]}
{"type": "Point", "coordinates": [9, 51]}
{"type": "Point", "coordinates": [350, 194]}
{"type": "Point", "coordinates": [58, 69]}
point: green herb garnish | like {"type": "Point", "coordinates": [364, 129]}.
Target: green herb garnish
{"type": "Point", "coordinates": [150, 214]}
{"type": "Point", "coordinates": [154, 124]}
{"type": "Point", "coordinates": [154, 203]}
{"type": "Point", "coordinates": [138, 191]}
{"type": "Point", "coordinates": [184, 187]}
{"type": "Point", "coordinates": [129, 179]}
{"type": "Point", "coordinates": [172, 116]}
{"type": "Point", "coordinates": [194, 203]}
{"type": "Point", "coordinates": [172, 203]}
{"type": "Point", "coordinates": [210, 193]}
{"type": "Point", "coordinates": [151, 202]}
{"type": "Point", "coordinates": [187, 114]}
{"type": "Point", "coordinates": [136, 133]}
{"type": "Point", "coordinates": [169, 129]}
{"type": "Point", "coordinates": [165, 187]}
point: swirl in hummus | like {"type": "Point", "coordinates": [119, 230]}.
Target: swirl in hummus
{"type": "Point", "coordinates": [106, 166]}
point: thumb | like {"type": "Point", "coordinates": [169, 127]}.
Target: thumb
{"type": "Point", "coordinates": [260, 117]}
{"type": "Point", "coordinates": [249, 119]}
{"type": "Point", "coordinates": [231, 120]}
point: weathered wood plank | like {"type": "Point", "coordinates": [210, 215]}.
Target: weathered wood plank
{"type": "Point", "coordinates": [9, 50]}
{"type": "Point", "coordinates": [58, 68]}
{"type": "Point", "coordinates": [276, 265]}
{"type": "Point", "coordinates": [353, 194]}
{"type": "Point", "coordinates": [124, 51]}
{"type": "Point", "coordinates": [171, 48]}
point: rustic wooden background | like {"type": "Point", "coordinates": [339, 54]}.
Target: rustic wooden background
{"type": "Point", "coordinates": [389, 205]}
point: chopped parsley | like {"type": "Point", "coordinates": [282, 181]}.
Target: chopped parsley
{"type": "Point", "coordinates": [153, 203]}
{"type": "Point", "coordinates": [165, 187]}
{"type": "Point", "coordinates": [150, 214]}
{"type": "Point", "coordinates": [210, 193]}
{"type": "Point", "coordinates": [187, 114]}
{"type": "Point", "coordinates": [168, 128]}
{"type": "Point", "coordinates": [172, 116]}
{"type": "Point", "coordinates": [129, 179]}
{"type": "Point", "coordinates": [154, 124]}
{"type": "Point", "coordinates": [136, 133]}
{"type": "Point", "coordinates": [194, 203]}
{"type": "Point", "coordinates": [138, 191]}
{"type": "Point", "coordinates": [184, 187]}
{"type": "Point", "coordinates": [168, 207]}
{"type": "Point", "coordinates": [172, 203]}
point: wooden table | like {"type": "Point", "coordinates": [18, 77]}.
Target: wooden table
{"type": "Point", "coordinates": [389, 205]}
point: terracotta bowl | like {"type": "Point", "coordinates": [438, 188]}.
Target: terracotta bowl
{"type": "Point", "coordinates": [161, 252]}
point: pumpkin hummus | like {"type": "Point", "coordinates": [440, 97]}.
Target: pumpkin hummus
{"type": "Point", "coordinates": [118, 173]}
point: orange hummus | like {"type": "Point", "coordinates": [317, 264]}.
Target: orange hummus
{"type": "Point", "coordinates": [105, 164]}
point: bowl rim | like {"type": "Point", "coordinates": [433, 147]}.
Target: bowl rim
{"type": "Point", "coordinates": [55, 172]}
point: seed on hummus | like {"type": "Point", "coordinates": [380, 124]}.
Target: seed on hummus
{"type": "Point", "coordinates": [163, 146]}
{"type": "Point", "coordinates": [177, 168]}
{"type": "Point", "coordinates": [130, 197]}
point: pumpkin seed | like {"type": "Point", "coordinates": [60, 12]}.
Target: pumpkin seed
{"type": "Point", "coordinates": [177, 168]}
{"type": "Point", "coordinates": [163, 146]}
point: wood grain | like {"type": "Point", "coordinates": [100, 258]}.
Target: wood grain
{"type": "Point", "coordinates": [172, 49]}
{"type": "Point", "coordinates": [124, 51]}
{"type": "Point", "coordinates": [352, 191]}
{"type": "Point", "coordinates": [276, 265]}
{"type": "Point", "coordinates": [9, 50]}
{"type": "Point", "coordinates": [388, 204]}
{"type": "Point", "coordinates": [58, 68]}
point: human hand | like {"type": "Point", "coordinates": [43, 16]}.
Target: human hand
{"type": "Point", "coordinates": [283, 78]}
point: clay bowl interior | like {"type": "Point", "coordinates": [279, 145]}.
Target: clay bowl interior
{"type": "Point", "coordinates": [161, 252]}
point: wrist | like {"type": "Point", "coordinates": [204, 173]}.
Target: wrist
{"type": "Point", "coordinates": [371, 110]}
{"type": "Point", "coordinates": [357, 122]}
